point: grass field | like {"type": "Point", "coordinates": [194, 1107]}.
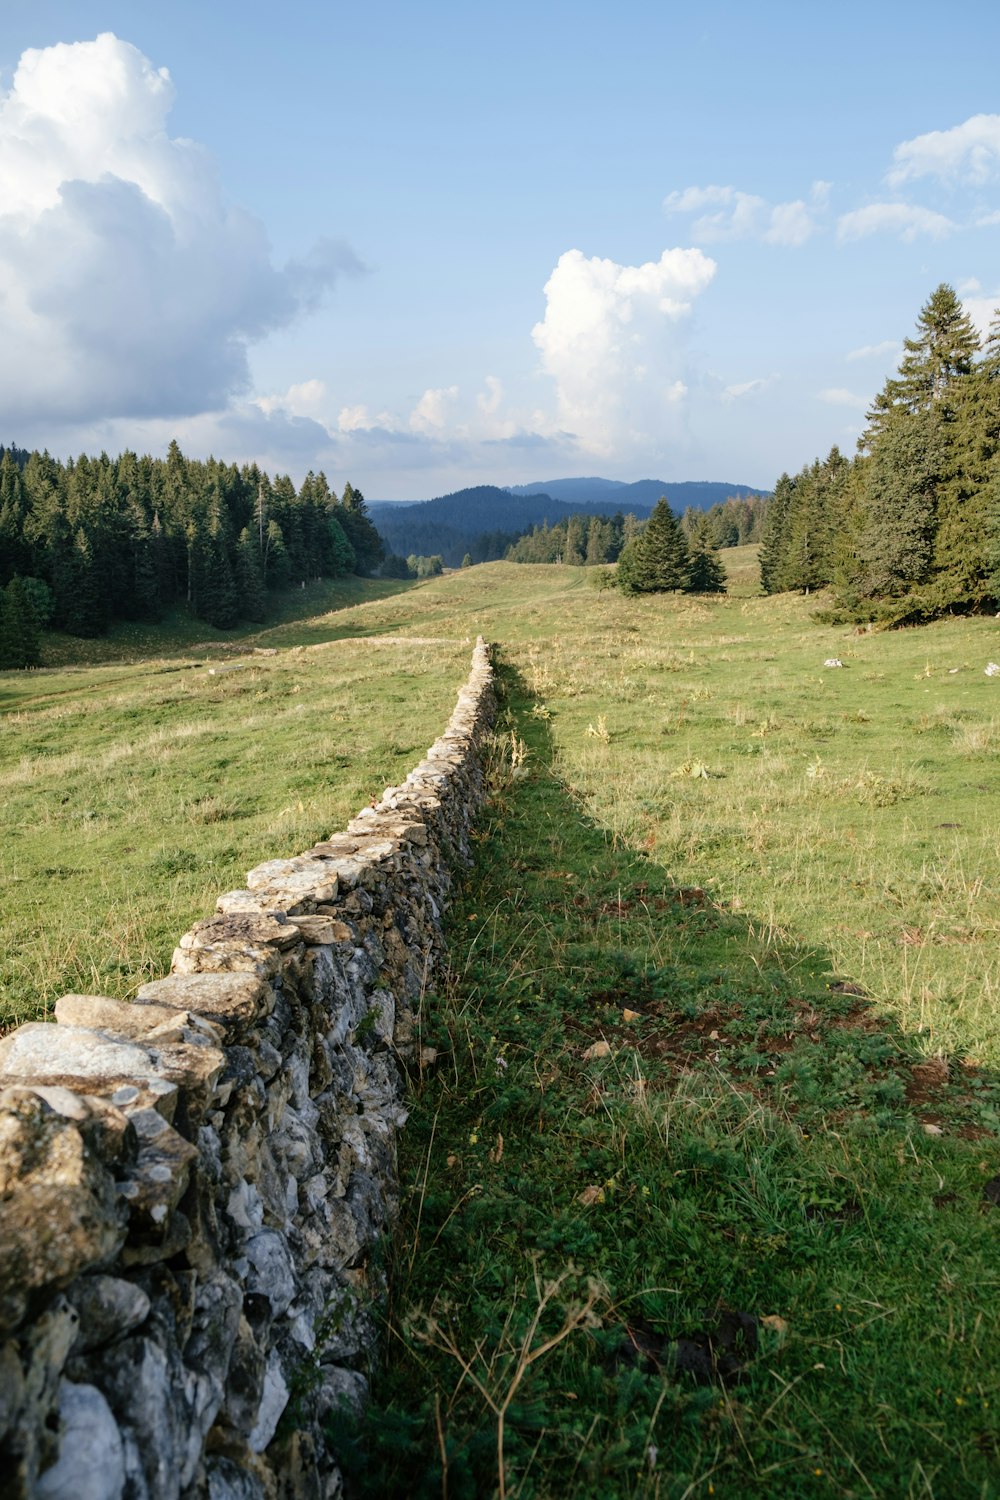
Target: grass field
{"type": "Point", "coordinates": [699, 1189]}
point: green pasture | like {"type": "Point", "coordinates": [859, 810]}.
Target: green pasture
{"type": "Point", "coordinates": [698, 1185]}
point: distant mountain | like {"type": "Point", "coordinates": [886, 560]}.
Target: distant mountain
{"type": "Point", "coordinates": [483, 521]}
{"type": "Point", "coordinates": [640, 496]}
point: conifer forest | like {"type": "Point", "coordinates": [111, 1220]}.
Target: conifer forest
{"type": "Point", "coordinates": [95, 540]}
{"type": "Point", "coordinates": [908, 529]}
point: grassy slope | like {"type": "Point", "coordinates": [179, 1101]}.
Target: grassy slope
{"type": "Point", "coordinates": [754, 1140]}
{"type": "Point", "coordinates": [135, 793]}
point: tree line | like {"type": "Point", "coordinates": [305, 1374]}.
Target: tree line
{"type": "Point", "coordinates": [909, 528]}
{"type": "Point", "coordinates": [592, 540]}
{"type": "Point", "coordinates": [95, 540]}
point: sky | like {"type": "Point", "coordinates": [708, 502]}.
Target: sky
{"type": "Point", "coordinates": [421, 247]}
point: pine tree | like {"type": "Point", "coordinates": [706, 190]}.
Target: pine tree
{"type": "Point", "coordinates": [962, 557]}
{"type": "Point", "coordinates": [340, 551]}
{"type": "Point", "coordinates": [277, 573]}
{"type": "Point", "coordinates": [706, 574]}
{"type": "Point", "coordinates": [655, 561]}
{"type": "Point", "coordinates": [774, 538]}
{"type": "Point", "coordinates": [84, 607]}
{"type": "Point", "coordinates": [250, 578]}
{"type": "Point", "coordinates": [19, 632]}
{"type": "Point", "coordinates": [352, 513]}
{"type": "Point", "coordinates": [896, 542]}
{"type": "Point", "coordinates": [574, 548]}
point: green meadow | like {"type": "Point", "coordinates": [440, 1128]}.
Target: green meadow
{"type": "Point", "coordinates": [699, 1185]}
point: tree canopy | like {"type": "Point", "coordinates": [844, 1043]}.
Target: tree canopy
{"type": "Point", "coordinates": [130, 537]}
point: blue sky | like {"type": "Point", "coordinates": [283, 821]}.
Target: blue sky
{"type": "Point", "coordinates": [421, 247]}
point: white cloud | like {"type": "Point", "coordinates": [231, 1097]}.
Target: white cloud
{"type": "Point", "coordinates": [747, 388]}
{"type": "Point", "coordinates": [610, 341]}
{"type": "Point", "coordinates": [740, 216]}
{"type": "Point", "coordinates": [430, 415]}
{"type": "Point", "coordinates": [837, 396]}
{"type": "Point", "coordinates": [128, 285]}
{"type": "Point", "coordinates": [981, 306]}
{"type": "Point", "coordinates": [905, 219]}
{"type": "Point", "coordinates": [489, 401]}
{"type": "Point", "coordinates": [790, 224]}
{"type": "Point", "coordinates": [968, 153]}
{"type": "Point", "coordinates": [306, 399]}
{"type": "Point", "coordinates": [875, 351]}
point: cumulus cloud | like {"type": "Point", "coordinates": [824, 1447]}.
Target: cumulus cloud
{"type": "Point", "coordinates": [739, 216]}
{"type": "Point", "coordinates": [875, 351]}
{"type": "Point", "coordinates": [306, 399]}
{"type": "Point", "coordinates": [128, 285]}
{"type": "Point", "coordinates": [837, 396]}
{"type": "Point", "coordinates": [430, 415]}
{"type": "Point", "coordinates": [905, 219]}
{"type": "Point", "coordinates": [968, 153]}
{"type": "Point", "coordinates": [610, 341]}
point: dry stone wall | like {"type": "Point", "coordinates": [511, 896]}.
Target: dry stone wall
{"type": "Point", "coordinates": [192, 1185]}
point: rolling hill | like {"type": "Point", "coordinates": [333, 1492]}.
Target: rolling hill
{"type": "Point", "coordinates": [483, 520]}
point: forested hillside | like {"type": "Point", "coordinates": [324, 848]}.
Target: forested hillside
{"type": "Point", "coordinates": [99, 539]}
{"type": "Point", "coordinates": [910, 528]}
{"type": "Point", "coordinates": [486, 522]}
{"type": "Point", "coordinates": [583, 540]}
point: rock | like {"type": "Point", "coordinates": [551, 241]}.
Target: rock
{"type": "Point", "coordinates": [382, 1009]}
{"type": "Point", "coordinates": [74, 1057]}
{"type": "Point", "coordinates": [95, 1062]}
{"type": "Point", "coordinates": [108, 1307]}
{"type": "Point", "coordinates": [228, 1481]}
{"type": "Point", "coordinates": [145, 1388]}
{"type": "Point", "coordinates": [339, 1390]}
{"type": "Point", "coordinates": [233, 1001]}
{"type": "Point", "coordinates": [158, 1179]}
{"type": "Point", "coordinates": [295, 879]}
{"type": "Point", "coordinates": [120, 1018]}
{"type": "Point", "coordinates": [262, 929]}
{"type": "Point", "coordinates": [11, 1387]}
{"type": "Point", "coordinates": [274, 1399]}
{"type": "Point", "coordinates": [992, 669]}
{"type": "Point", "coordinates": [833, 661]}
{"type": "Point", "coordinates": [319, 929]}
{"type": "Point", "coordinates": [245, 1385]}
{"type": "Point", "coordinates": [59, 1211]}
{"type": "Point", "coordinates": [91, 1462]}
{"type": "Point", "coordinates": [271, 1271]}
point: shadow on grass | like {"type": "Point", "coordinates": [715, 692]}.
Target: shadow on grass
{"type": "Point", "coordinates": [181, 633]}
{"type": "Point", "coordinates": [670, 1205]}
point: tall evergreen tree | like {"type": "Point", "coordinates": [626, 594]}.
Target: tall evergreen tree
{"type": "Point", "coordinates": [896, 543]}
{"type": "Point", "coordinates": [773, 542]}
{"type": "Point", "coordinates": [19, 632]}
{"type": "Point", "coordinates": [706, 574]}
{"type": "Point", "coordinates": [655, 561]}
{"type": "Point", "coordinates": [352, 514]}
{"type": "Point", "coordinates": [250, 588]}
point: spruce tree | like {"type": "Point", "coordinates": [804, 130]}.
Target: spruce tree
{"type": "Point", "coordinates": [250, 578]}
{"type": "Point", "coordinates": [896, 542]}
{"type": "Point", "coordinates": [655, 561]}
{"type": "Point", "coordinates": [19, 632]}
{"type": "Point", "coordinates": [774, 535]}
{"type": "Point", "coordinates": [706, 574]}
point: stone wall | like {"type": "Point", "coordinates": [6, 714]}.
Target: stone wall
{"type": "Point", "coordinates": [192, 1186]}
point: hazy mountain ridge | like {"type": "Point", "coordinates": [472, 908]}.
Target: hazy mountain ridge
{"type": "Point", "coordinates": [484, 519]}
